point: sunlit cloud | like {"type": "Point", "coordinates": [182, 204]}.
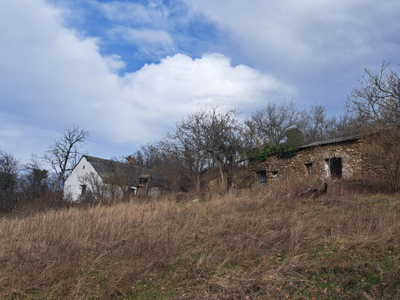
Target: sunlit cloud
{"type": "Point", "coordinates": [60, 78]}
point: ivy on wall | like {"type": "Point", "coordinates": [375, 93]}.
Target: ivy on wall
{"type": "Point", "coordinates": [281, 151]}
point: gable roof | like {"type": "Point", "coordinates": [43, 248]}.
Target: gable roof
{"type": "Point", "coordinates": [108, 168]}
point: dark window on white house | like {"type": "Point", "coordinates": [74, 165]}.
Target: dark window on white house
{"type": "Point", "coordinates": [83, 189]}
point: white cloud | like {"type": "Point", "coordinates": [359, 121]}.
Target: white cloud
{"type": "Point", "coordinates": [51, 78]}
{"type": "Point", "coordinates": [311, 33]}
{"type": "Point", "coordinates": [166, 91]}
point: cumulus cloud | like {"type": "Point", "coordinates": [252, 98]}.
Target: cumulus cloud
{"type": "Point", "coordinates": [52, 77]}
{"type": "Point", "coordinates": [174, 87]}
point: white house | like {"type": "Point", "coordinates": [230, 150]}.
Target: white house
{"type": "Point", "coordinates": [102, 178]}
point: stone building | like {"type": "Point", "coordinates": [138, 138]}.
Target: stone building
{"type": "Point", "coordinates": [334, 158]}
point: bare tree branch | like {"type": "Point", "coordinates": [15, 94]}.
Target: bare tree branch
{"type": "Point", "coordinates": [64, 153]}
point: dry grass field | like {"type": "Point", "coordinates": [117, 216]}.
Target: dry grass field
{"type": "Point", "coordinates": [257, 244]}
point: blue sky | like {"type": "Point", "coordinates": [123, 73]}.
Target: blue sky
{"type": "Point", "coordinates": [127, 70]}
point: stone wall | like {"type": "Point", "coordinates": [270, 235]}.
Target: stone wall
{"type": "Point", "coordinates": [346, 155]}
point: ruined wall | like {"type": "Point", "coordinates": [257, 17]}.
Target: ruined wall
{"type": "Point", "coordinates": [349, 153]}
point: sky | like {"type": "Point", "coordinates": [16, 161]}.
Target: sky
{"type": "Point", "coordinates": [128, 70]}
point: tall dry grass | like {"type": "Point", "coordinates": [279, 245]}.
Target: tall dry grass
{"type": "Point", "coordinates": [254, 244]}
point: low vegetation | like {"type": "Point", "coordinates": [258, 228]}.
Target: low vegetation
{"type": "Point", "coordinates": [250, 244]}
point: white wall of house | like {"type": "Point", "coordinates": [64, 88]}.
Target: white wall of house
{"type": "Point", "coordinates": [73, 186]}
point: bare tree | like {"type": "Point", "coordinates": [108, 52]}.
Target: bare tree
{"type": "Point", "coordinates": [377, 100]}
{"type": "Point", "coordinates": [377, 103]}
{"type": "Point", "coordinates": [344, 125]}
{"type": "Point", "coordinates": [187, 140]}
{"type": "Point", "coordinates": [8, 164]}
{"type": "Point", "coordinates": [165, 158]}
{"type": "Point", "coordinates": [269, 125]}
{"type": "Point", "coordinates": [64, 153]}
{"type": "Point", "coordinates": [176, 175]}
{"type": "Point", "coordinates": [149, 155]}
{"type": "Point", "coordinates": [314, 123]}
{"type": "Point", "coordinates": [209, 138]}
{"type": "Point", "coordinates": [223, 140]}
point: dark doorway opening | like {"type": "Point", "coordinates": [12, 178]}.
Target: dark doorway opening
{"type": "Point", "coordinates": [262, 178]}
{"type": "Point", "coordinates": [335, 167]}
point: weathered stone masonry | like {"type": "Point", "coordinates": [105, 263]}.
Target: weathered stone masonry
{"type": "Point", "coordinates": [341, 158]}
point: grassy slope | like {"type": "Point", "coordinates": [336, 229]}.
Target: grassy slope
{"type": "Point", "coordinates": [245, 245]}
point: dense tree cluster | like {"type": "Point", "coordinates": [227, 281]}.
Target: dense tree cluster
{"type": "Point", "coordinates": [18, 183]}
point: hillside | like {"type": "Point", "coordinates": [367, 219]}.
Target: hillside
{"type": "Point", "coordinates": [257, 244]}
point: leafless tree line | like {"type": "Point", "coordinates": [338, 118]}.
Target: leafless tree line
{"type": "Point", "coordinates": [20, 182]}
{"type": "Point", "coordinates": [211, 139]}
{"type": "Point", "coordinates": [216, 138]}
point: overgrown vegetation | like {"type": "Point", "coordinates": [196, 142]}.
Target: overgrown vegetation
{"type": "Point", "coordinates": [281, 151]}
{"type": "Point", "coordinates": [250, 244]}
{"type": "Point", "coordinates": [377, 103]}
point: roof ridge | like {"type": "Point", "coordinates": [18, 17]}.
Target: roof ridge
{"type": "Point", "coordinates": [331, 141]}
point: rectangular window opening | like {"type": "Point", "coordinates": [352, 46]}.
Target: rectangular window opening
{"type": "Point", "coordinates": [83, 189]}
{"type": "Point", "coordinates": [309, 168]}
{"type": "Point", "coordinates": [274, 174]}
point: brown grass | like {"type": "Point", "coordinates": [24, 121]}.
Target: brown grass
{"type": "Point", "coordinates": [254, 244]}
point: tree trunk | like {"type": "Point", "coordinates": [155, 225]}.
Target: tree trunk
{"type": "Point", "coordinates": [198, 182]}
{"type": "Point", "coordinates": [221, 172]}
{"type": "Point", "coordinates": [229, 179]}
{"type": "Point", "coordinates": [56, 184]}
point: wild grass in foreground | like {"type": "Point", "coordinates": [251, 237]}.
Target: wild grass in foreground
{"type": "Point", "coordinates": [257, 244]}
